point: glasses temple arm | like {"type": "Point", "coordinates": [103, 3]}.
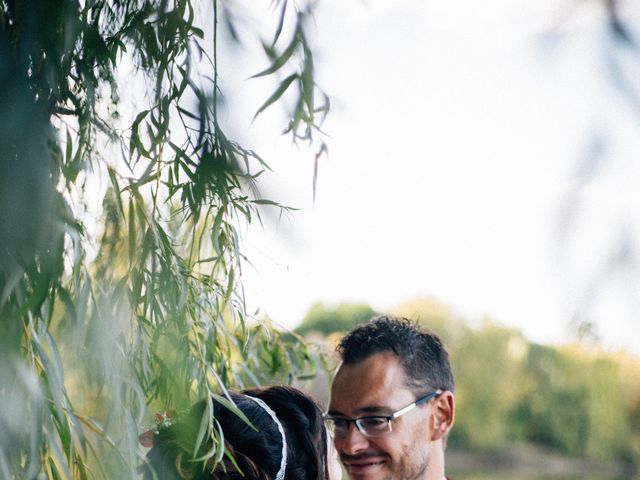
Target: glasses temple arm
{"type": "Point", "coordinates": [426, 398]}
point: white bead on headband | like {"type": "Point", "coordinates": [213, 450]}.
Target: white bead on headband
{"type": "Point", "coordinates": [272, 414]}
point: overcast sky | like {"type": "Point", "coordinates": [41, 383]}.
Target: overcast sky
{"type": "Point", "coordinates": [478, 153]}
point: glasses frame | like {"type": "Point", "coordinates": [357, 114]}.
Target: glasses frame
{"type": "Point", "coordinates": [358, 422]}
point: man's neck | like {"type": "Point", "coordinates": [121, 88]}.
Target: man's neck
{"type": "Point", "coordinates": [436, 462]}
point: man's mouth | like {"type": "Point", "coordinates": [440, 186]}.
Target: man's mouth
{"type": "Point", "coordinates": [362, 463]}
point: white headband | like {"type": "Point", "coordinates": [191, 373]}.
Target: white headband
{"type": "Point", "coordinates": [272, 414]}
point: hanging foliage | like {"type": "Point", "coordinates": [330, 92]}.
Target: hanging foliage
{"type": "Point", "coordinates": [109, 313]}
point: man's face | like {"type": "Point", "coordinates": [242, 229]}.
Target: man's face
{"type": "Point", "coordinates": [377, 386]}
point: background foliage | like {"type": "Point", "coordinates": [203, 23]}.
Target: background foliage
{"type": "Point", "coordinates": [325, 320]}
{"type": "Point", "coordinates": [110, 310]}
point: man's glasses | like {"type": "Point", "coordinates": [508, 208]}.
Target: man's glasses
{"type": "Point", "coordinates": [375, 425]}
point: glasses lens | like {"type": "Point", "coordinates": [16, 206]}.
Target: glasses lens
{"type": "Point", "coordinates": [337, 426]}
{"type": "Point", "coordinates": [374, 426]}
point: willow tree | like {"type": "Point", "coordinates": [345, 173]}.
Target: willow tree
{"type": "Point", "coordinates": [109, 315]}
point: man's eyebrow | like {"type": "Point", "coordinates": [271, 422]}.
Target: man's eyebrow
{"type": "Point", "coordinates": [370, 409]}
{"type": "Point", "coordinates": [376, 409]}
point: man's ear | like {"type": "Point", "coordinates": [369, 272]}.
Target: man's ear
{"type": "Point", "coordinates": [443, 415]}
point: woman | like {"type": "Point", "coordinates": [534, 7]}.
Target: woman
{"type": "Point", "coordinates": [289, 441]}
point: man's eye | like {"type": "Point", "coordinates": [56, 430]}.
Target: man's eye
{"type": "Point", "coordinates": [340, 423]}
{"type": "Point", "coordinates": [374, 422]}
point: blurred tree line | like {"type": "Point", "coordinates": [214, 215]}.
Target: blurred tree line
{"type": "Point", "coordinates": [574, 399]}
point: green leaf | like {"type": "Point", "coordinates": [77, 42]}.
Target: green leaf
{"type": "Point", "coordinates": [132, 232]}
{"type": "Point", "coordinates": [281, 60]}
{"type": "Point", "coordinates": [135, 144]}
{"type": "Point", "coordinates": [233, 460]}
{"type": "Point", "coordinates": [264, 201]}
{"type": "Point", "coordinates": [188, 113]}
{"type": "Point", "coordinates": [230, 286]}
{"type": "Point", "coordinates": [234, 409]}
{"type": "Point", "coordinates": [68, 304]}
{"type": "Point", "coordinates": [116, 190]}
{"type": "Point", "coordinates": [307, 80]}
{"type": "Point", "coordinates": [205, 424]}
{"type": "Point", "coordinates": [216, 231]}
{"type": "Point", "coordinates": [69, 149]}
{"type": "Point", "coordinates": [64, 435]}
{"type": "Point", "coordinates": [55, 474]}
{"type": "Point", "coordinates": [198, 32]}
{"type": "Point", "coordinates": [277, 94]}
{"type": "Point", "coordinates": [79, 463]}
{"type": "Point", "coordinates": [278, 31]}
{"type": "Point", "coordinates": [221, 450]}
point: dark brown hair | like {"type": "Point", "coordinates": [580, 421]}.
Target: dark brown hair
{"type": "Point", "coordinates": [422, 354]}
{"type": "Point", "coordinates": [256, 452]}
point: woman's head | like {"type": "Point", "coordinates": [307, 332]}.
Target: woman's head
{"type": "Point", "coordinates": [257, 453]}
{"type": "Point", "coordinates": [304, 428]}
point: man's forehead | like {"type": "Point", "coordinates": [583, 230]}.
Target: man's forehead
{"type": "Point", "coordinates": [377, 381]}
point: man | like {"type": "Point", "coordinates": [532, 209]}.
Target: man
{"type": "Point", "coordinates": [392, 402]}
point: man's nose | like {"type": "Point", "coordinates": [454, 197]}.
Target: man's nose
{"type": "Point", "coordinates": [353, 442]}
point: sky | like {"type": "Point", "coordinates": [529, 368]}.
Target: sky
{"type": "Point", "coordinates": [481, 154]}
